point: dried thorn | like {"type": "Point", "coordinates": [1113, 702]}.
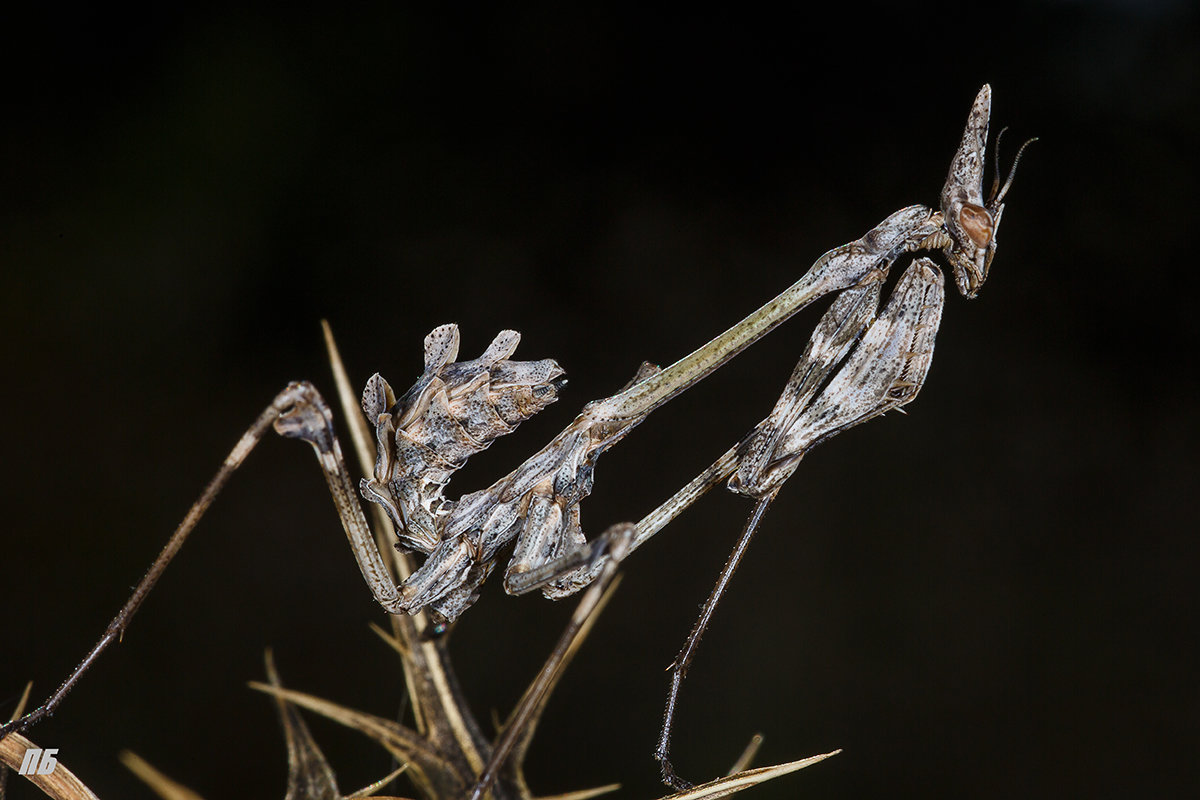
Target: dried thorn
{"type": "Point", "coordinates": [583, 794]}
{"type": "Point", "coordinates": [519, 729]}
{"type": "Point", "coordinates": [309, 773]}
{"type": "Point", "coordinates": [522, 744]}
{"type": "Point", "coordinates": [723, 787]}
{"type": "Point", "coordinates": [20, 709]}
{"type": "Point", "coordinates": [394, 642]}
{"type": "Point", "coordinates": [747, 755]}
{"type": "Point", "coordinates": [360, 433]}
{"type": "Point", "coordinates": [370, 789]}
{"type": "Point", "coordinates": [159, 783]}
{"type": "Point", "coordinates": [397, 739]}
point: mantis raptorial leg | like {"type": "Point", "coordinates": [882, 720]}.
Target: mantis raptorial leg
{"type": "Point", "coordinates": [884, 368]}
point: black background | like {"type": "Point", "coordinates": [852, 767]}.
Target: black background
{"type": "Point", "coordinates": [993, 596]}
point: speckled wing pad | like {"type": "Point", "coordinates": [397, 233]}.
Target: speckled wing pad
{"type": "Point", "coordinates": [454, 410]}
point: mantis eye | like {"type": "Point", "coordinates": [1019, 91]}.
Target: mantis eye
{"type": "Point", "coordinates": [977, 223]}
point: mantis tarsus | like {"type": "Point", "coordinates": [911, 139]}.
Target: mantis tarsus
{"type": "Point", "coordinates": [859, 363]}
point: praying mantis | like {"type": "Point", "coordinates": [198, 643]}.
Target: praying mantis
{"type": "Point", "coordinates": [861, 361]}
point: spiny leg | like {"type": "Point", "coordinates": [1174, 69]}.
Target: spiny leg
{"type": "Point", "coordinates": [684, 659]}
{"type": "Point", "coordinates": [116, 628]}
{"type": "Point", "coordinates": [308, 418]}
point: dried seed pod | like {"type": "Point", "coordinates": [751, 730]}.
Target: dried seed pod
{"type": "Point", "coordinates": [454, 410]}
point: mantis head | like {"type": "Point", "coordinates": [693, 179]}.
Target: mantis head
{"type": "Point", "coordinates": [971, 222]}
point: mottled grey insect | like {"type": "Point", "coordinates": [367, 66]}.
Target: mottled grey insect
{"type": "Point", "coordinates": [859, 363]}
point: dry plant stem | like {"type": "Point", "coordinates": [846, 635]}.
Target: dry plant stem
{"type": "Point", "coordinates": [620, 538]}
{"type": "Point", "coordinates": [61, 784]}
{"type": "Point", "coordinates": [684, 659]}
{"type": "Point", "coordinates": [116, 628]}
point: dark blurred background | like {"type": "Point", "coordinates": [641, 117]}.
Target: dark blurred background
{"type": "Point", "coordinates": [993, 596]}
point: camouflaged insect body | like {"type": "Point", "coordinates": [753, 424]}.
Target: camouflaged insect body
{"type": "Point", "coordinates": [453, 411]}
{"type": "Point", "coordinates": [859, 363]}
